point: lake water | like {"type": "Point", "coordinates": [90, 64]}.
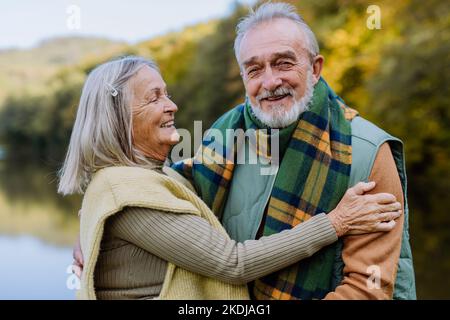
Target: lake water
{"type": "Point", "coordinates": [32, 269]}
{"type": "Point", "coordinates": [37, 231]}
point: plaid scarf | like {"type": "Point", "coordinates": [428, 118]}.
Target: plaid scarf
{"type": "Point", "coordinates": [312, 178]}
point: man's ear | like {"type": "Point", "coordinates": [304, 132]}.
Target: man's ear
{"type": "Point", "coordinates": [317, 67]}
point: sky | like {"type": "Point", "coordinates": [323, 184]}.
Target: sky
{"type": "Point", "coordinates": [25, 23]}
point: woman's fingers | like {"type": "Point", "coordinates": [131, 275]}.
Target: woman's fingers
{"type": "Point", "coordinates": [370, 222]}
{"type": "Point", "coordinates": [388, 216]}
{"type": "Point", "coordinates": [78, 254]}
{"type": "Point", "coordinates": [385, 226]}
{"type": "Point", "coordinates": [380, 222]}
{"type": "Point", "coordinates": [359, 212]}
{"type": "Point", "coordinates": [384, 198]}
{"type": "Point", "coordinates": [391, 207]}
{"type": "Point", "coordinates": [361, 187]}
{"type": "Point", "coordinates": [375, 227]}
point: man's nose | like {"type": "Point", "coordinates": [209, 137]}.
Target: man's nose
{"type": "Point", "coordinates": [271, 80]}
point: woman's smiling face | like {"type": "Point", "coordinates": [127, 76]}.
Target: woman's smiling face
{"type": "Point", "coordinates": [153, 114]}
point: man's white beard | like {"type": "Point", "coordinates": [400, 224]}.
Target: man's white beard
{"type": "Point", "coordinates": [278, 117]}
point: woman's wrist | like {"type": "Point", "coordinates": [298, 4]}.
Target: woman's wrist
{"type": "Point", "coordinates": [337, 223]}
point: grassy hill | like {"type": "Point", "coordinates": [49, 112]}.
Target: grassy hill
{"type": "Point", "coordinates": [27, 70]}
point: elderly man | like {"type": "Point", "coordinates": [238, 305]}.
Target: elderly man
{"type": "Point", "coordinates": [324, 147]}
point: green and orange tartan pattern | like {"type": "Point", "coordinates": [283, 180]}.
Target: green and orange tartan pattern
{"type": "Point", "coordinates": [312, 178]}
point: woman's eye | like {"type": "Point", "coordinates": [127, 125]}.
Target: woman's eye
{"type": "Point", "coordinates": [153, 100]}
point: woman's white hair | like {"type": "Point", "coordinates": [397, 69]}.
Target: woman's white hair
{"type": "Point", "coordinates": [102, 133]}
{"type": "Point", "coordinates": [270, 11]}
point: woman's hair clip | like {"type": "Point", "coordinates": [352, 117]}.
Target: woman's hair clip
{"type": "Point", "coordinates": [113, 91]}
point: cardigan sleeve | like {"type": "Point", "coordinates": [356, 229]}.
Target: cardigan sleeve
{"type": "Point", "coordinates": [190, 242]}
{"type": "Point", "coordinates": [371, 259]}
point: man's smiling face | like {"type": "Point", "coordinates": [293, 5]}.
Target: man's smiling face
{"type": "Point", "coordinates": [276, 65]}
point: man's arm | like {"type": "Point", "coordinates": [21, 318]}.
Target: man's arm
{"type": "Point", "coordinates": [381, 250]}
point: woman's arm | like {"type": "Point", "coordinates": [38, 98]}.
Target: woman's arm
{"type": "Point", "coordinates": [356, 213]}
{"type": "Point", "coordinates": [192, 243]}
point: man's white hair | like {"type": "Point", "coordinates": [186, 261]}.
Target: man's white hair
{"type": "Point", "coordinates": [102, 133]}
{"type": "Point", "coordinates": [270, 11]}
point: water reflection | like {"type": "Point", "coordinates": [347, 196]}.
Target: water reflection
{"type": "Point", "coordinates": [31, 269]}
{"type": "Point", "coordinates": [30, 205]}
{"type": "Point", "coordinates": [37, 231]}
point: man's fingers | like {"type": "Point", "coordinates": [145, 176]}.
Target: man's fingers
{"type": "Point", "coordinates": [362, 187]}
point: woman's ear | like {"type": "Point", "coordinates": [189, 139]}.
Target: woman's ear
{"type": "Point", "coordinates": [317, 67]}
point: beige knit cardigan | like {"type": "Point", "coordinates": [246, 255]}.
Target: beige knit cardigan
{"type": "Point", "coordinates": [114, 188]}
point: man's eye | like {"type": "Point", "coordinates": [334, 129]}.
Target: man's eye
{"type": "Point", "coordinates": [253, 71]}
{"type": "Point", "coordinates": [284, 64]}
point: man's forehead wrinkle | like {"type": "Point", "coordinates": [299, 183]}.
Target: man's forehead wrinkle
{"type": "Point", "coordinates": [283, 54]}
{"type": "Point", "coordinates": [266, 35]}
{"type": "Point", "coordinates": [290, 54]}
{"type": "Point", "coordinates": [265, 51]}
{"type": "Point", "coordinates": [250, 61]}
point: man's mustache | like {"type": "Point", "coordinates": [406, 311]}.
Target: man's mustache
{"type": "Point", "coordinates": [280, 91]}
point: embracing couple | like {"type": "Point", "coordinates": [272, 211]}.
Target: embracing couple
{"type": "Point", "coordinates": [330, 223]}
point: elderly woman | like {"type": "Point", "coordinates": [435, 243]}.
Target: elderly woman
{"type": "Point", "coordinates": [144, 232]}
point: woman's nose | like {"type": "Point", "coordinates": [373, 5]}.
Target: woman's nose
{"type": "Point", "coordinates": [171, 106]}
